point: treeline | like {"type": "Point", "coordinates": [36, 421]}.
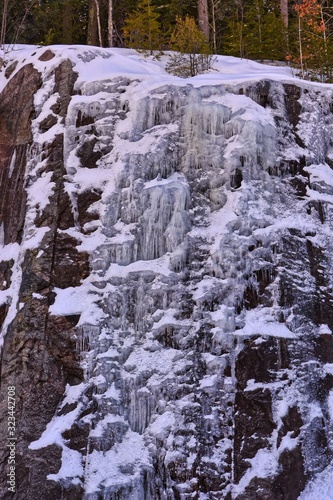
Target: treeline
{"type": "Point", "coordinates": [299, 31]}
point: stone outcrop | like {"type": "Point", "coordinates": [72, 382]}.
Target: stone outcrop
{"type": "Point", "coordinates": [39, 354]}
{"type": "Point", "coordinates": [166, 286]}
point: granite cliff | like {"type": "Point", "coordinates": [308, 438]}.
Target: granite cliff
{"type": "Point", "coordinates": [166, 271]}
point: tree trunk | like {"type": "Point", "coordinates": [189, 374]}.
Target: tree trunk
{"type": "Point", "coordinates": [98, 18]}
{"type": "Point", "coordinates": [240, 27]}
{"type": "Point", "coordinates": [92, 24]}
{"type": "Point", "coordinates": [203, 17]}
{"type": "Point", "coordinates": [67, 23]}
{"type": "Point", "coordinates": [284, 12]}
{"type": "Point", "coordinates": [323, 23]}
{"type": "Point", "coordinates": [214, 27]}
{"type": "Point", "coordinates": [110, 23]}
{"type": "Point", "coordinates": [4, 23]}
{"type": "Point", "coordinates": [300, 43]}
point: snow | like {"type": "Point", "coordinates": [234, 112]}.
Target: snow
{"type": "Point", "coordinates": [325, 329]}
{"type": "Point", "coordinates": [77, 300]}
{"type": "Point", "coordinates": [107, 468]}
{"type": "Point", "coordinates": [244, 108]}
{"type": "Point", "coordinates": [10, 251]}
{"type": "Point", "coordinates": [159, 361]}
{"type": "Point", "coordinates": [208, 381]}
{"type": "Point", "coordinates": [113, 393]}
{"type": "Point", "coordinates": [97, 64]}
{"type": "Point", "coordinates": [12, 163]}
{"type": "Point", "coordinates": [54, 429]}
{"type": "Point", "coordinates": [262, 465]}
{"type": "Point", "coordinates": [320, 173]}
{"type": "Point", "coordinates": [316, 195]}
{"type": "Point", "coordinates": [161, 426]}
{"type": "Point", "coordinates": [40, 191]}
{"type": "Point", "coordinates": [174, 178]}
{"type": "Point", "coordinates": [102, 424]}
{"type": "Point", "coordinates": [218, 223]}
{"type": "Point", "coordinates": [260, 322]}
{"type": "Point", "coordinates": [71, 465]}
{"type": "Point", "coordinates": [158, 266]}
{"type": "Point", "coordinates": [204, 286]}
{"type": "Point", "coordinates": [321, 487]}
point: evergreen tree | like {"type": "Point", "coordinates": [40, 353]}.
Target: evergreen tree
{"type": "Point", "coordinates": [233, 40]}
{"type": "Point", "coordinates": [142, 28]}
{"type": "Point", "coordinates": [264, 32]}
{"type": "Point", "coordinates": [169, 12]}
{"type": "Point", "coordinates": [256, 30]}
{"type": "Point", "coordinates": [51, 21]}
{"type": "Point", "coordinates": [193, 53]}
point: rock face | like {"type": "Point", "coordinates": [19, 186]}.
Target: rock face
{"type": "Point", "coordinates": [165, 285]}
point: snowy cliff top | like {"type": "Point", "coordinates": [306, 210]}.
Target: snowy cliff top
{"type": "Point", "coordinates": [94, 63]}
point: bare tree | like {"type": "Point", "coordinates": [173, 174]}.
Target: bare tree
{"type": "Point", "coordinates": [4, 23]}
{"type": "Point", "coordinates": [98, 18]}
{"type": "Point", "coordinates": [14, 23]}
{"type": "Point", "coordinates": [94, 34]}
{"type": "Point", "coordinates": [214, 6]}
{"type": "Point", "coordinates": [300, 43]}
{"type": "Point", "coordinates": [110, 23]}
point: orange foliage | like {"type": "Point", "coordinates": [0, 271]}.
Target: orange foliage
{"type": "Point", "coordinates": [309, 10]}
{"type": "Point", "coordinates": [311, 33]}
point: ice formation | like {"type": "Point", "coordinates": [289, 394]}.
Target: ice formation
{"type": "Point", "coordinates": [203, 317]}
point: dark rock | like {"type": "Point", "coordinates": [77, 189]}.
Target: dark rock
{"type": "Point", "coordinates": [59, 211]}
{"type": "Point", "coordinates": [260, 93]}
{"type": "Point", "coordinates": [292, 422]}
{"type": "Point", "coordinates": [293, 106]}
{"type": "Point", "coordinates": [47, 123]}
{"type": "Point", "coordinates": [65, 79]}
{"type": "Point", "coordinates": [260, 360]}
{"type": "Point", "coordinates": [84, 120]}
{"type": "Point", "coordinates": [67, 258]}
{"type": "Point", "coordinates": [10, 70]}
{"type": "Point", "coordinates": [292, 478]}
{"type": "Point", "coordinates": [236, 179]}
{"type": "Point", "coordinates": [87, 155]}
{"type": "Point", "coordinates": [47, 55]}
{"type": "Point", "coordinates": [77, 437]}
{"type": "Point", "coordinates": [39, 356]}
{"type": "Point", "coordinates": [254, 421]}
{"type": "Point", "coordinates": [84, 201]}
{"type": "Point", "coordinates": [5, 274]}
{"type": "Point", "coordinates": [3, 313]}
{"type": "Point", "coordinates": [254, 425]}
{"type": "Point", "coordinates": [16, 112]}
{"type": "Point", "coordinates": [324, 348]}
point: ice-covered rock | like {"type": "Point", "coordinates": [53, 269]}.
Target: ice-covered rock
{"type": "Point", "coordinates": [165, 279]}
